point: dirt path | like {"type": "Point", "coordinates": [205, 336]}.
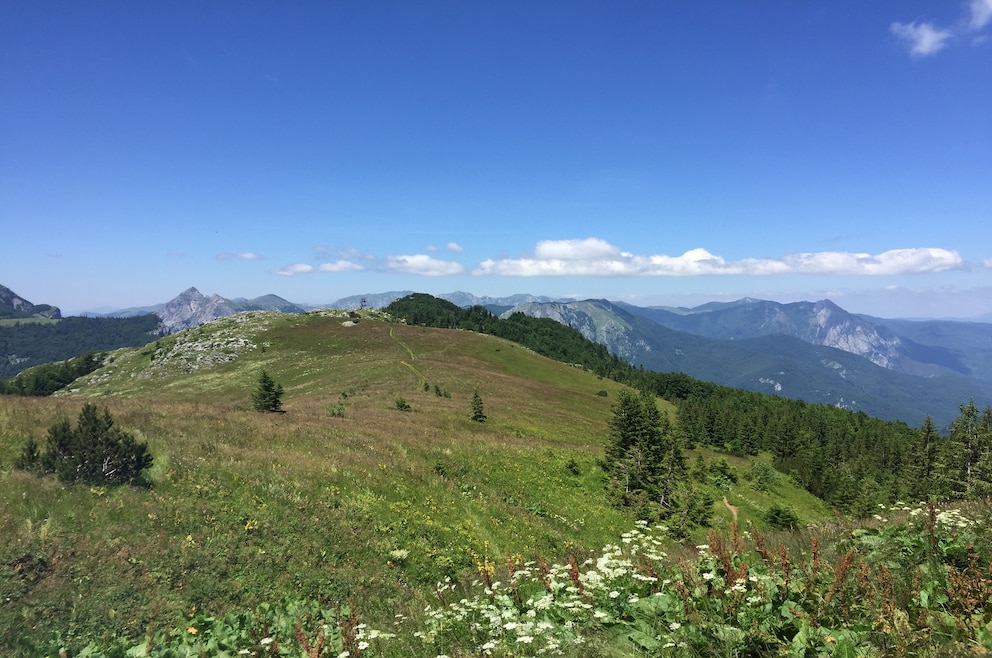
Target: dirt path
{"type": "Point", "coordinates": [413, 357]}
{"type": "Point", "coordinates": [732, 508]}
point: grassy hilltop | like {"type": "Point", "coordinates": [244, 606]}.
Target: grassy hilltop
{"type": "Point", "coordinates": [344, 499]}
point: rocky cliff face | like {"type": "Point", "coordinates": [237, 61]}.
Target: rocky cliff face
{"type": "Point", "coordinates": [832, 326]}
{"type": "Point", "coordinates": [821, 323]}
{"type": "Point", "coordinates": [191, 309]}
{"type": "Point", "coordinates": [818, 323]}
{"type": "Point", "coordinates": [15, 306]}
{"type": "Point", "coordinates": [597, 321]}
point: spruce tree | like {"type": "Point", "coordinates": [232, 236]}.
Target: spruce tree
{"type": "Point", "coordinates": [267, 395]}
{"type": "Point", "coordinates": [918, 473]}
{"type": "Point", "coordinates": [95, 451]}
{"type": "Point", "coordinates": [478, 413]}
{"type": "Point", "coordinates": [647, 469]}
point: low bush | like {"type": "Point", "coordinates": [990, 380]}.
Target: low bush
{"type": "Point", "coordinates": [95, 451]}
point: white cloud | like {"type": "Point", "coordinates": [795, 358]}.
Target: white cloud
{"type": "Point", "coordinates": [424, 265]}
{"type": "Point", "coordinates": [326, 252]}
{"type": "Point", "coordinates": [454, 247]}
{"type": "Point", "coordinates": [340, 266]}
{"type": "Point", "coordinates": [587, 249]}
{"type": "Point", "coordinates": [893, 262]}
{"type": "Point", "coordinates": [298, 268]}
{"type": "Point", "coordinates": [598, 258]}
{"type": "Point", "coordinates": [923, 39]}
{"type": "Point", "coordinates": [595, 257]}
{"type": "Point", "coordinates": [987, 263]}
{"type": "Point", "coordinates": [241, 255]}
{"type": "Point", "coordinates": [980, 14]}
{"type": "Point", "coordinates": [306, 268]}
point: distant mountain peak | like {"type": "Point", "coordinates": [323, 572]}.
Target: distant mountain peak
{"type": "Point", "coordinates": [13, 305]}
{"type": "Point", "coordinates": [191, 308]}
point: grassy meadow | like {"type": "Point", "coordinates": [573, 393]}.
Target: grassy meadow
{"type": "Point", "coordinates": [248, 507]}
{"type": "Point", "coordinates": [374, 513]}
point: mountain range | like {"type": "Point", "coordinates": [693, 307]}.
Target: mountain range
{"type": "Point", "coordinates": [818, 352]}
{"type": "Point", "coordinates": [815, 351]}
{"type": "Point", "coordinates": [192, 308]}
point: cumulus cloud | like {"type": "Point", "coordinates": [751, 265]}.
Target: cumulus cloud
{"type": "Point", "coordinates": [596, 257]}
{"type": "Point", "coordinates": [240, 255]}
{"type": "Point", "coordinates": [925, 39]}
{"type": "Point", "coordinates": [424, 265]}
{"type": "Point", "coordinates": [922, 39]}
{"type": "Point", "coordinates": [453, 247]}
{"type": "Point", "coordinates": [340, 266]}
{"type": "Point", "coordinates": [298, 268]}
{"type": "Point", "coordinates": [585, 249]}
{"type": "Point", "coordinates": [306, 268]}
{"type": "Point", "coordinates": [352, 260]}
{"type": "Point", "coordinates": [980, 14]}
{"type": "Point", "coordinates": [987, 263]}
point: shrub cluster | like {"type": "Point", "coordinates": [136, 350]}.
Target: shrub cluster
{"type": "Point", "coordinates": [95, 451]}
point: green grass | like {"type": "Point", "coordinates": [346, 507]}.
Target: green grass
{"type": "Point", "coordinates": [248, 507]}
{"type": "Point", "coordinates": [10, 322]}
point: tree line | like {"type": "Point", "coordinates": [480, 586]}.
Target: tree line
{"type": "Point", "coordinates": [28, 344]}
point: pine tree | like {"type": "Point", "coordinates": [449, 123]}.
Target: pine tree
{"type": "Point", "coordinates": [267, 395]}
{"type": "Point", "coordinates": [478, 412]}
{"type": "Point", "coordinates": [646, 464]}
{"type": "Point", "coordinates": [919, 471]}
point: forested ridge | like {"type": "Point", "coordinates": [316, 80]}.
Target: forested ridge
{"type": "Point", "coordinates": [849, 459]}
{"type": "Point", "coordinates": [27, 344]}
{"type": "Point", "coordinates": [47, 378]}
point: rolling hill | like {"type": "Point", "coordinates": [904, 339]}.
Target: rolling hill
{"type": "Point", "coordinates": [343, 497]}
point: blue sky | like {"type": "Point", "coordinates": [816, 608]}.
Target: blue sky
{"type": "Point", "coordinates": [651, 152]}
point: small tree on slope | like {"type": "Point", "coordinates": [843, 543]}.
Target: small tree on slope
{"type": "Point", "coordinates": [267, 395]}
{"type": "Point", "coordinates": [478, 413]}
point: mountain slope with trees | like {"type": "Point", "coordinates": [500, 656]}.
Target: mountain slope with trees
{"type": "Point", "coordinates": [849, 459]}
{"type": "Point", "coordinates": [27, 344]}
{"type": "Point", "coordinates": [778, 363]}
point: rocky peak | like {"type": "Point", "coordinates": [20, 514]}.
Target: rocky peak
{"type": "Point", "coordinates": [191, 308]}
{"type": "Point", "coordinates": [13, 305]}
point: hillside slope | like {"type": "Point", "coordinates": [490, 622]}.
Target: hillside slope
{"type": "Point", "coordinates": [342, 498]}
